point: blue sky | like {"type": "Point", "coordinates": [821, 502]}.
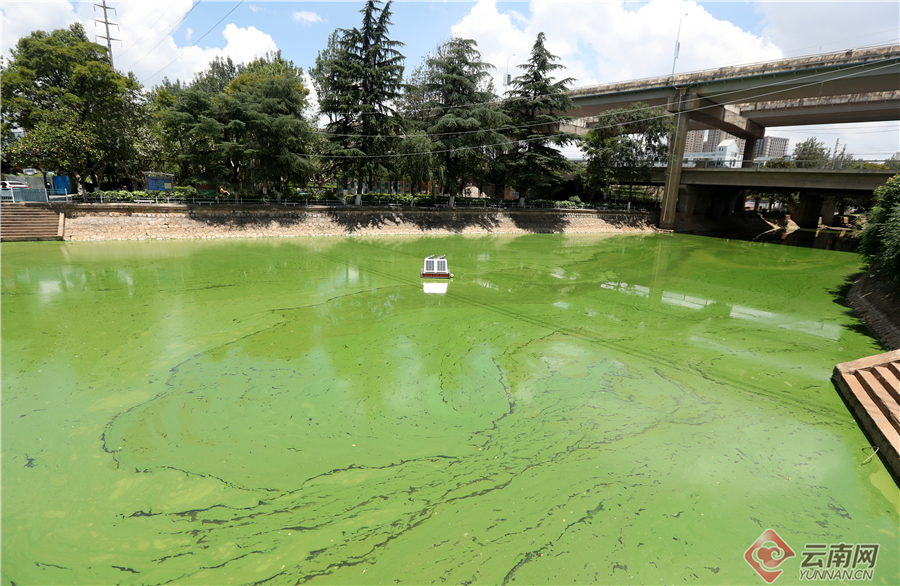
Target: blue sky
{"type": "Point", "coordinates": [597, 40]}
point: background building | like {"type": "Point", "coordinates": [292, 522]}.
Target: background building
{"type": "Point", "coordinates": [693, 143]}
{"type": "Point", "coordinates": [771, 147]}
{"type": "Point", "coordinates": [715, 137]}
{"type": "Point", "coordinates": [703, 145]}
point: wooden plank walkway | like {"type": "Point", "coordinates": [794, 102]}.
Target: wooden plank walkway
{"type": "Point", "coordinates": [871, 387]}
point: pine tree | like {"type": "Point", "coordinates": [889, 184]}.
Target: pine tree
{"type": "Point", "coordinates": [464, 121]}
{"type": "Point", "coordinates": [362, 71]}
{"type": "Point", "coordinates": [537, 104]}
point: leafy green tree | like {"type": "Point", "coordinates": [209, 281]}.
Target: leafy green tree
{"type": "Point", "coordinates": [217, 76]}
{"type": "Point", "coordinates": [252, 134]}
{"type": "Point", "coordinates": [412, 105]}
{"type": "Point", "coordinates": [536, 104]}
{"type": "Point", "coordinates": [361, 73]}
{"type": "Point", "coordinates": [625, 144]}
{"type": "Point", "coordinates": [780, 163]}
{"type": "Point", "coordinates": [264, 107]}
{"type": "Point", "coordinates": [463, 121]}
{"type": "Point", "coordinates": [811, 154]}
{"type": "Point", "coordinates": [196, 120]}
{"type": "Point", "coordinates": [416, 159]}
{"type": "Point", "coordinates": [63, 69]}
{"type": "Point", "coordinates": [880, 238]}
{"type": "Point", "coordinates": [57, 143]}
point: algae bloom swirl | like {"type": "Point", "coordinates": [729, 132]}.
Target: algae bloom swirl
{"type": "Point", "coordinates": [566, 409]}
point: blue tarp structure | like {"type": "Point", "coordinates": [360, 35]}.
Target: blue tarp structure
{"type": "Point", "coordinates": [61, 184]}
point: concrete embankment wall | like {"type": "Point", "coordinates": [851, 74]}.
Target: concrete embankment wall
{"type": "Point", "coordinates": [84, 222]}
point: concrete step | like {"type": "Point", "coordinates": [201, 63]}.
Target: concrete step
{"type": "Point", "coordinates": [20, 222]}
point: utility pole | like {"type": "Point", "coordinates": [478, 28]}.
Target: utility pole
{"type": "Point", "coordinates": [106, 21]}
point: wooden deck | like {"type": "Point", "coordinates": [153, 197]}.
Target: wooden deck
{"type": "Point", "coordinates": [871, 387]}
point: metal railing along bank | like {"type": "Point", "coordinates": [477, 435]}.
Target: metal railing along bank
{"type": "Point", "coordinates": [483, 203]}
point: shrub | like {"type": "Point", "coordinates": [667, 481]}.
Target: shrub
{"type": "Point", "coordinates": [880, 238]}
{"type": "Point", "coordinates": [185, 191]}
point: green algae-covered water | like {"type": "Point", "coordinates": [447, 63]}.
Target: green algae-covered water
{"type": "Point", "coordinates": [568, 409]}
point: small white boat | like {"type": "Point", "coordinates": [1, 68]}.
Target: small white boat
{"type": "Point", "coordinates": [436, 268]}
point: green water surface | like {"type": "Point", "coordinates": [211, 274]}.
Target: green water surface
{"type": "Point", "coordinates": [572, 409]}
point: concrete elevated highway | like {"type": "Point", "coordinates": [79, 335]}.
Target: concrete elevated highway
{"type": "Point", "coordinates": [719, 190]}
{"type": "Point", "coordinates": [843, 87]}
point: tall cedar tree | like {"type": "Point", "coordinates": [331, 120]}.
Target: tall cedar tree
{"type": "Point", "coordinates": [362, 71]}
{"type": "Point", "coordinates": [536, 104]}
{"type": "Point", "coordinates": [463, 121]}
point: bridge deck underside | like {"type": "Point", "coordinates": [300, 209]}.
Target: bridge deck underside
{"type": "Point", "coordinates": [850, 181]}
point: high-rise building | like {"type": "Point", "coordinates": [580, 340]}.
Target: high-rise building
{"type": "Point", "coordinates": [771, 147]}
{"type": "Point", "coordinates": [713, 138]}
{"type": "Point", "coordinates": [693, 142]}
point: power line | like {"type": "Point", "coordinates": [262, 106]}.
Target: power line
{"type": "Point", "coordinates": [495, 102]}
{"type": "Point", "coordinates": [463, 149]}
{"type": "Point", "coordinates": [890, 30]}
{"type": "Point", "coordinates": [166, 36]}
{"type": "Point", "coordinates": [150, 28]}
{"type": "Point", "coordinates": [773, 84]}
{"type": "Point", "coordinates": [195, 43]}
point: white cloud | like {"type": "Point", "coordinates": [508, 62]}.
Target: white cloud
{"type": "Point", "coordinates": [603, 41]}
{"type": "Point", "coordinates": [305, 17]}
{"type": "Point", "coordinates": [19, 19]}
{"type": "Point", "coordinates": [188, 34]}
{"type": "Point", "coordinates": [243, 45]}
{"type": "Point", "coordinates": [146, 31]}
{"type": "Point", "coordinates": [804, 28]}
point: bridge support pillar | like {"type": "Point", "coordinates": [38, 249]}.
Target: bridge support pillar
{"type": "Point", "coordinates": [749, 151]}
{"type": "Point", "coordinates": [690, 199]}
{"type": "Point", "coordinates": [807, 212]}
{"type": "Point", "coordinates": [829, 206]}
{"type": "Point", "coordinates": [723, 203]}
{"type": "Point", "coordinates": [673, 173]}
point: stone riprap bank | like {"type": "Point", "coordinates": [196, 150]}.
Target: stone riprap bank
{"type": "Point", "coordinates": [85, 222]}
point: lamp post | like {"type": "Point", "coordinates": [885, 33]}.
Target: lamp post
{"type": "Point", "coordinates": [677, 44]}
{"type": "Point", "coordinates": [506, 78]}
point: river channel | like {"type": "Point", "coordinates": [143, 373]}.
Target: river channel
{"type": "Point", "coordinates": [613, 409]}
